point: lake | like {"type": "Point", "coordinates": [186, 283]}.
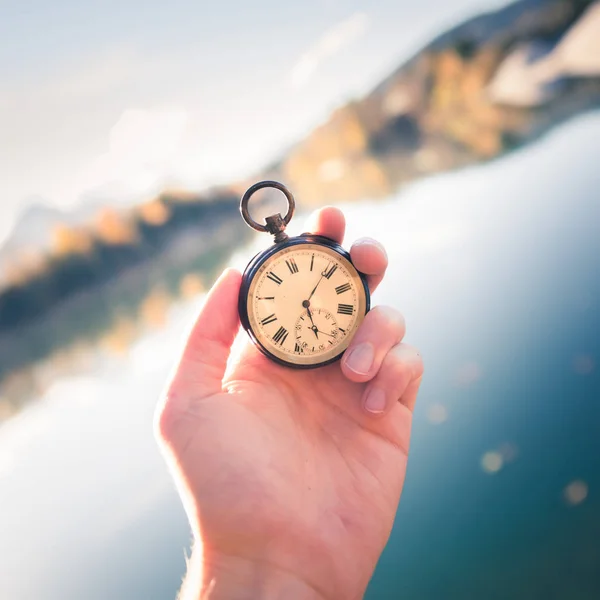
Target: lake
{"type": "Point", "coordinates": [497, 269]}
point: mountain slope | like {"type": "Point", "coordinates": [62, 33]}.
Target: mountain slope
{"type": "Point", "coordinates": [484, 88]}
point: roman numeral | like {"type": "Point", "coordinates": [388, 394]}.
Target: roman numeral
{"type": "Point", "coordinates": [298, 348]}
{"type": "Point", "coordinates": [275, 278]}
{"type": "Point", "coordinates": [268, 319]}
{"type": "Point", "coordinates": [292, 266]}
{"type": "Point", "coordinates": [340, 289]}
{"type": "Point", "coordinates": [330, 270]}
{"type": "Point", "coordinates": [345, 309]}
{"type": "Point", "coordinates": [266, 298]}
{"type": "Point", "coordinates": [312, 261]}
{"type": "Point", "coordinates": [342, 330]}
{"type": "Point", "coordinates": [280, 336]}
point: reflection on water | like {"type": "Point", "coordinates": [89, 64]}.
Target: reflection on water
{"type": "Point", "coordinates": [110, 317]}
{"type": "Point", "coordinates": [496, 269]}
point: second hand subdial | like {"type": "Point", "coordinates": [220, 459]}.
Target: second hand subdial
{"type": "Point", "coordinates": [318, 321]}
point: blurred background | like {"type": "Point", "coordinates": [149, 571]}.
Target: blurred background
{"type": "Point", "coordinates": [464, 134]}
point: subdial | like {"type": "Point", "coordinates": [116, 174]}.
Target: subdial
{"type": "Point", "coordinates": [316, 331]}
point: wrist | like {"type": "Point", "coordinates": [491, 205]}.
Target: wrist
{"type": "Point", "coordinates": [218, 577]}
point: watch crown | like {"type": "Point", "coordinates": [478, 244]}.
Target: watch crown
{"type": "Point", "coordinates": [276, 226]}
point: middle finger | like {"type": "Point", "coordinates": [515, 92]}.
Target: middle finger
{"type": "Point", "coordinates": [382, 328]}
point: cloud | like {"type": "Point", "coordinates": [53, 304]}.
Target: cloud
{"type": "Point", "coordinates": [143, 143]}
{"type": "Point", "coordinates": [82, 84]}
{"type": "Point", "coordinates": [330, 43]}
{"type": "Point", "coordinates": [57, 121]}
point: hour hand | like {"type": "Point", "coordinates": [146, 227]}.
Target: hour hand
{"type": "Point", "coordinates": [314, 327]}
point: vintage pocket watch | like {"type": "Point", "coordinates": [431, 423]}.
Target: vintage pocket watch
{"type": "Point", "coordinates": [301, 300]}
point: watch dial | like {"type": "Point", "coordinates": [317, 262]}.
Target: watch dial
{"type": "Point", "coordinates": [305, 304]}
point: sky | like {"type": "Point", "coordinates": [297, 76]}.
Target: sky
{"type": "Point", "coordinates": [115, 100]}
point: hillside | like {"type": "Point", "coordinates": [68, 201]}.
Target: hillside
{"type": "Point", "coordinates": [476, 92]}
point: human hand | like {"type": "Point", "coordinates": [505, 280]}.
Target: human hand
{"type": "Point", "coordinates": [290, 478]}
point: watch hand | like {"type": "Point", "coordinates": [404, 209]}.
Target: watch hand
{"type": "Point", "coordinates": [329, 334]}
{"type": "Point", "coordinates": [314, 327]}
{"type": "Point", "coordinates": [316, 286]}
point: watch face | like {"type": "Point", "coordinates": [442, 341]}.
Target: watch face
{"type": "Point", "coordinates": [304, 303]}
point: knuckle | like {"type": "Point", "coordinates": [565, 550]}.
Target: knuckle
{"type": "Point", "coordinates": [162, 424]}
{"type": "Point", "coordinates": [416, 358]}
{"type": "Point", "coordinates": [389, 318]}
{"type": "Point", "coordinates": [398, 369]}
{"type": "Point", "coordinates": [369, 241]}
{"type": "Point", "coordinates": [166, 419]}
{"type": "Point", "coordinates": [402, 365]}
{"type": "Point", "coordinates": [419, 367]}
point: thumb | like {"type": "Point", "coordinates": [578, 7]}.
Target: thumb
{"type": "Point", "coordinates": [202, 366]}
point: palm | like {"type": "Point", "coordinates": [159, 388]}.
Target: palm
{"type": "Point", "coordinates": [297, 462]}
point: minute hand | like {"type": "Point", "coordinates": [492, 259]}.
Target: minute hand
{"type": "Point", "coordinates": [316, 286]}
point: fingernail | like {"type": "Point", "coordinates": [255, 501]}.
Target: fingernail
{"type": "Point", "coordinates": [360, 359]}
{"type": "Point", "coordinates": [375, 401]}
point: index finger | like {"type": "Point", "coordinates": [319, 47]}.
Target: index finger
{"type": "Point", "coordinates": [368, 255]}
{"type": "Point", "coordinates": [328, 221]}
{"type": "Point", "coordinates": [370, 258]}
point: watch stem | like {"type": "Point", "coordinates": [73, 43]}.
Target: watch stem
{"type": "Point", "coordinates": [276, 226]}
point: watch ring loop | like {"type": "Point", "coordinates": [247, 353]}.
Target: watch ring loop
{"type": "Point", "coordinates": [259, 186]}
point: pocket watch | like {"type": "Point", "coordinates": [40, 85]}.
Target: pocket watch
{"type": "Point", "coordinates": [301, 300]}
